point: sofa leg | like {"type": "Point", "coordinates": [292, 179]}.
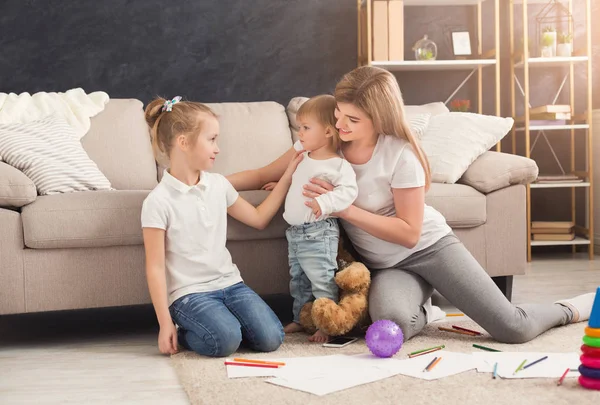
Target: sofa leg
{"type": "Point", "coordinates": [505, 284]}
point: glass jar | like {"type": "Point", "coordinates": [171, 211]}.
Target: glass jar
{"type": "Point", "coordinates": [425, 49]}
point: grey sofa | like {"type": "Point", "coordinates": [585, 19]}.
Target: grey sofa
{"type": "Point", "coordinates": [84, 250]}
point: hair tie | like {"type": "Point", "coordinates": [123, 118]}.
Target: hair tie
{"type": "Point", "coordinates": [168, 105]}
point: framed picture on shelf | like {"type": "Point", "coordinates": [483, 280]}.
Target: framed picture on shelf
{"type": "Point", "coordinates": [461, 43]}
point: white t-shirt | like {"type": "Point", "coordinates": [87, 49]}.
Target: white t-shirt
{"type": "Point", "coordinates": [336, 171]}
{"type": "Point", "coordinates": [195, 221]}
{"type": "Point", "coordinates": [392, 165]}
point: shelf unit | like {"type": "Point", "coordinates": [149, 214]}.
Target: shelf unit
{"type": "Point", "coordinates": [490, 58]}
{"type": "Point", "coordinates": [578, 125]}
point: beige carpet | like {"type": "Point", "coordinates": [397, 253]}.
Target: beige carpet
{"type": "Point", "coordinates": [205, 379]}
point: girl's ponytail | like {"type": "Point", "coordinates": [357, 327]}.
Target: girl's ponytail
{"type": "Point", "coordinates": [153, 114]}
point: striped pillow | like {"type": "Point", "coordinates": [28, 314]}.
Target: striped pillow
{"type": "Point", "coordinates": [49, 152]}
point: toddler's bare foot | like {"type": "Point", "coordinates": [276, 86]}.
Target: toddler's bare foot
{"type": "Point", "coordinates": [319, 337]}
{"type": "Point", "coordinates": [293, 328]}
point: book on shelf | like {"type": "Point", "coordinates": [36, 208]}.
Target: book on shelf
{"type": "Point", "coordinates": [554, 237]}
{"type": "Point", "coordinates": [551, 230]}
{"type": "Point", "coordinates": [551, 109]}
{"type": "Point", "coordinates": [559, 178]}
{"type": "Point", "coordinates": [552, 224]}
{"type": "Point", "coordinates": [550, 118]}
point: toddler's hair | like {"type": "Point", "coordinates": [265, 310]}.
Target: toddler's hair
{"type": "Point", "coordinates": [184, 118]}
{"type": "Point", "coordinates": [322, 108]}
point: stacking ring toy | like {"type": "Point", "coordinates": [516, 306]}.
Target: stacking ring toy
{"type": "Point", "coordinates": [590, 351]}
{"type": "Point", "coordinates": [592, 332]}
{"type": "Point", "coordinates": [591, 362]}
{"type": "Point", "coordinates": [589, 383]}
{"type": "Point", "coordinates": [591, 341]}
{"type": "Point", "coordinates": [592, 373]}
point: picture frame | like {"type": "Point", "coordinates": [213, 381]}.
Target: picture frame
{"type": "Point", "coordinates": [461, 43]}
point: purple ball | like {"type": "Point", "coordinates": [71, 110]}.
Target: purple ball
{"type": "Point", "coordinates": [384, 338]}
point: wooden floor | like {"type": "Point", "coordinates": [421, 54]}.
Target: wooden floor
{"type": "Point", "coordinates": [110, 356]}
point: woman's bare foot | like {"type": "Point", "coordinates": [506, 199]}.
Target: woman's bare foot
{"type": "Point", "coordinates": [293, 328]}
{"type": "Point", "coordinates": [319, 337]}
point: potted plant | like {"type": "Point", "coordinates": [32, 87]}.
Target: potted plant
{"type": "Point", "coordinates": [565, 45]}
{"type": "Point", "coordinates": [458, 105]}
{"type": "Point", "coordinates": [548, 42]}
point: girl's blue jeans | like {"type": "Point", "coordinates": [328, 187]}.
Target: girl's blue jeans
{"type": "Point", "coordinates": [215, 323]}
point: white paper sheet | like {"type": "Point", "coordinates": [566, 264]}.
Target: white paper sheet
{"type": "Point", "coordinates": [553, 367]}
{"type": "Point", "coordinates": [296, 365]}
{"type": "Point", "coordinates": [452, 363]}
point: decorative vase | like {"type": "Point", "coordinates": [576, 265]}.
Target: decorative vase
{"type": "Point", "coordinates": [546, 52]}
{"type": "Point", "coordinates": [549, 40]}
{"type": "Point", "coordinates": [425, 49]}
{"type": "Point", "coordinates": [564, 50]}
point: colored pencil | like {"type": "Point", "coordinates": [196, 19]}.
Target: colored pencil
{"type": "Point", "coordinates": [426, 350]}
{"type": "Point", "coordinates": [434, 364]}
{"type": "Point", "coordinates": [495, 373]}
{"type": "Point", "coordinates": [432, 361]}
{"type": "Point", "coordinates": [455, 314]}
{"type": "Point", "coordinates": [563, 377]}
{"type": "Point", "coordinates": [467, 330]}
{"type": "Point", "coordinates": [278, 363]}
{"type": "Point", "coordinates": [535, 362]}
{"type": "Point", "coordinates": [231, 363]}
{"type": "Point", "coordinates": [423, 353]}
{"type": "Point", "coordinates": [456, 331]}
{"type": "Point", "coordinates": [520, 366]}
{"type": "Point", "coordinates": [489, 349]}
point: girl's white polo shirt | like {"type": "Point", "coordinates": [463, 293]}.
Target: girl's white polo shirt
{"type": "Point", "coordinates": [195, 222]}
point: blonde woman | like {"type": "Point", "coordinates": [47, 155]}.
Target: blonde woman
{"type": "Point", "coordinates": [407, 244]}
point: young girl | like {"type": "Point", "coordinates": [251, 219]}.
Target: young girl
{"type": "Point", "coordinates": [192, 280]}
{"type": "Point", "coordinates": [407, 245]}
{"type": "Point", "coordinates": [313, 234]}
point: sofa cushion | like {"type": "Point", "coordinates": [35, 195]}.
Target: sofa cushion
{"type": "Point", "coordinates": [16, 189]}
{"type": "Point", "coordinates": [494, 170]}
{"type": "Point", "coordinates": [252, 135]}
{"type": "Point", "coordinates": [462, 206]}
{"type": "Point", "coordinates": [84, 219]}
{"type": "Point", "coordinates": [238, 231]}
{"type": "Point", "coordinates": [49, 152]}
{"type": "Point", "coordinates": [119, 143]}
{"type": "Point", "coordinates": [454, 140]}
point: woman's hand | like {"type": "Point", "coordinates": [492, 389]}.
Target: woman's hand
{"type": "Point", "coordinates": [167, 339]}
{"type": "Point", "coordinates": [317, 187]}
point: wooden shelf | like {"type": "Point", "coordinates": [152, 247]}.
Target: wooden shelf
{"type": "Point", "coordinates": [551, 127]}
{"type": "Point", "coordinates": [418, 65]}
{"type": "Point", "coordinates": [560, 184]}
{"type": "Point", "coordinates": [442, 2]}
{"type": "Point", "coordinates": [577, 241]}
{"type": "Point", "coordinates": [550, 62]}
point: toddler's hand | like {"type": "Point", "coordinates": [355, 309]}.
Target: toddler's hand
{"type": "Point", "coordinates": [167, 339]}
{"type": "Point", "coordinates": [315, 207]}
{"type": "Point", "coordinates": [269, 186]}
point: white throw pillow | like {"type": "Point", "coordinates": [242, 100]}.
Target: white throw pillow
{"type": "Point", "coordinates": [51, 155]}
{"type": "Point", "coordinates": [452, 141]}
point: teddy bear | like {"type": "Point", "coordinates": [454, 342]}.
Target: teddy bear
{"type": "Point", "coordinates": [350, 313]}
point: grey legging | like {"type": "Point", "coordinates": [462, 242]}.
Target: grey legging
{"type": "Point", "coordinates": [399, 293]}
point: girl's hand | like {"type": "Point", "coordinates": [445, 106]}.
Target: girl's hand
{"type": "Point", "coordinates": [167, 339]}
{"type": "Point", "coordinates": [269, 186]}
{"type": "Point", "coordinates": [292, 165]}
